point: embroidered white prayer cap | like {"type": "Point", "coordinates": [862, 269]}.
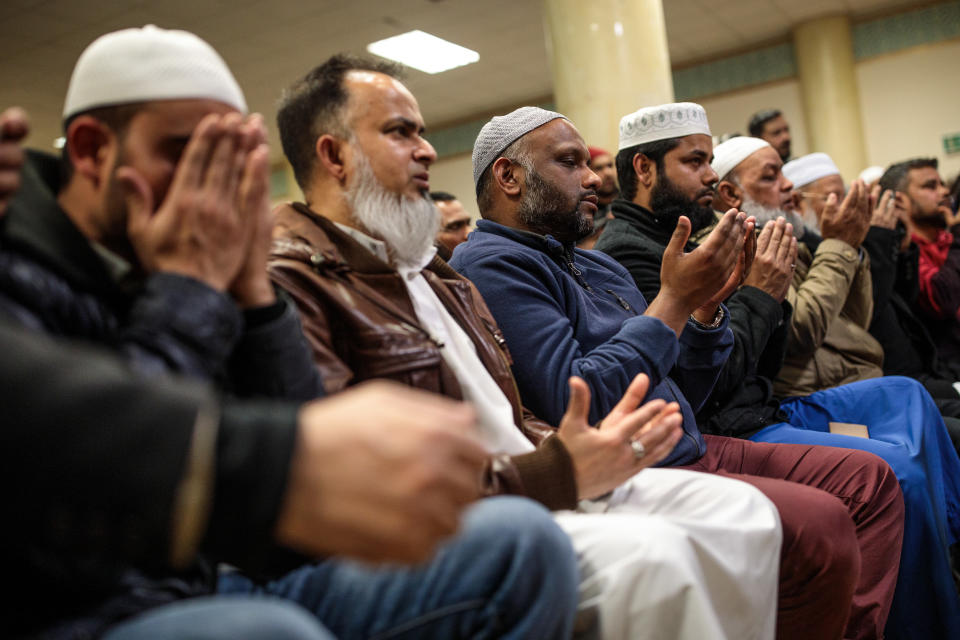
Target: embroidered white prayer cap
{"type": "Point", "coordinates": [139, 65]}
{"type": "Point", "coordinates": [502, 131]}
{"type": "Point", "coordinates": [727, 155]}
{"type": "Point", "coordinates": [871, 174]}
{"type": "Point", "coordinates": [806, 169]}
{"type": "Point", "coordinates": [662, 122]}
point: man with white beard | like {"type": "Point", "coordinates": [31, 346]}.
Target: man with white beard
{"type": "Point", "coordinates": [659, 177]}
{"type": "Point", "coordinates": [832, 291]}
{"type": "Point", "coordinates": [662, 554]}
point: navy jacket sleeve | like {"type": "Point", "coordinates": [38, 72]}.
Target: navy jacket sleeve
{"type": "Point", "coordinates": [529, 304]}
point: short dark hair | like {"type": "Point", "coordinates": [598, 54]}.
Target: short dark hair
{"type": "Point", "coordinates": [761, 118]}
{"type": "Point", "coordinates": [442, 196]}
{"type": "Point", "coordinates": [655, 150]}
{"type": "Point", "coordinates": [313, 106]}
{"type": "Point", "coordinates": [896, 175]}
{"type": "Point", "coordinates": [117, 117]}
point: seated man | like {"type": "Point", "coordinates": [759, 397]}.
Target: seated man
{"type": "Point", "coordinates": [931, 224]}
{"type": "Point", "coordinates": [454, 223]}
{"type": "Point", "coordinates": [124, 494]}
{"type": "Point", "coordinates": [908, 348]}
{"type": "Point", "coordinates": [663, 554]}
{"type": "Point", "coordinates": [601, 163]}
{"type": "Point", "coordinates": [832, 292]}
{"type": "Point", "coordinates": [565, 311]}
{"type": "Point", "coordinates": [903, 425]}
{"type": "Point", "coordinates": [814, 177]}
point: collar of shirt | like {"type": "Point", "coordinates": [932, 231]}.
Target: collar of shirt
{"type": "Point", "coordinates": [379, 249]}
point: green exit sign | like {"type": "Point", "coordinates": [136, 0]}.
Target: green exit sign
{"type": "Point", "coordinates": [951, 143]}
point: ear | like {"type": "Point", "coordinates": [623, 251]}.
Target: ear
{"type": "Point", "coordinates": [508, 176]}
{"type": "Point", "coordinates": [89, 145]}
{"type": "Point", "coordinates": [331, 153]}
{"type": "Point", "coordinates": [646, 170]}
{"type": "Point", "coordinates": [731, 196]}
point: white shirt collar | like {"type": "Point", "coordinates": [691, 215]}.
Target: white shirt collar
{"type": "Point", "coordinates": [379, 249]}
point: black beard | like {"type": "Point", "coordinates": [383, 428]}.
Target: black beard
{"type": "Point", "coordinates": [547, 210]}
{"type": "Point", "coordinates": [935, 220]}
{"type": "Point", "coordinates": [668, 203]}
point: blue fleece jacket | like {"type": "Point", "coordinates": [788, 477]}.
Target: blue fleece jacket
{"type": "Point", "coordinates": [565, 312]}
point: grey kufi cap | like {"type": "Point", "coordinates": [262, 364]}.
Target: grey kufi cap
{"type": "Point", "coordinates": [502, 131]}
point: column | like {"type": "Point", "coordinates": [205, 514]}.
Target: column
{"type": "Point", "coordinates": [609, 58]}
{"type": "Point", "coordinates": [828, 85]}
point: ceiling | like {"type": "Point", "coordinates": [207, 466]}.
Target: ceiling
{"type": "Point", "coordinates": [269, 44]}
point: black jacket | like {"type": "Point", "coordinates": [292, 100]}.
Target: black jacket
{"type": "Point", "coordinates": [742, 400]}
{"type": "Point", "coordinates": [909, 350]}
{"type": "Point", "coordinates": [53, 281]}
{"type": "Point", "coordinates": [94, 456]}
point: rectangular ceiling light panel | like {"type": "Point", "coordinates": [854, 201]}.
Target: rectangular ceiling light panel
{"type": "Point", "coordinates": [423, 51]}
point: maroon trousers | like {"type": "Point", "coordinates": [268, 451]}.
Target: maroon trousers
{"type": "Point", "coordinates": [842, 516]}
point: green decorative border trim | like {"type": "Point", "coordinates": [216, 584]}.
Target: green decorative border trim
{"type": "Point", "coordinates": [921, 26]}
{"type": "Point", "coordinates": [278, 183]}
{"type": "Point", "coordinates": [927, 25]}
{"type": "Point", "coordinates": [735, 72]}
{"type": "Point", "coordinates": [459, 138]}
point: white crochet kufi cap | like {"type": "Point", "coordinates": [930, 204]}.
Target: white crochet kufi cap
{"type": "Point", "coordinates": [727, 155]}
{"type": "Point", "coordinates": [140, 65]}
{"type": "Point", "coordinates": [871, 174]}
{"type": "Point", "coordinates": [502, 131]}
{"type": "Point", "coordinates": [662, 122]}
{"type": "Point", "coordinates": [806, 169]}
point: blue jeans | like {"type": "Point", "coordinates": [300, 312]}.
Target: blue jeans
{"type": "Point", "coordinates": [510, 573]}
{"type": "Point", "coordinates": [907, 431]}
{"type": "Point", "coordinates": [215, 618]}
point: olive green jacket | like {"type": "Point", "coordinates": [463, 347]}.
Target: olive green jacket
{"type": "Point", "coordinates": [832, 299]}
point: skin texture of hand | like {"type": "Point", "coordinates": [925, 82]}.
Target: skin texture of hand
{"type": "Point", "coordinates": [197, 230]}
{"type": "Point", "coordinates": [849, 221]}
{"type": "Point", "coordinates": [775, 261]}
{"type": "Point", "coordinates": [884, 213]}
{"type": "Point", "coordinates": [14, 127]}
{"type": "Point", "coordinates": [382, 473]}
{"type": "Point", "coordinates": [695, 282]}
{"type": "Point", "coordinates": [602, 456]}
{"type": "Point", "coordinates": [251, 287]}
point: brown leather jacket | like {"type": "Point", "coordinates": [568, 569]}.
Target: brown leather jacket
{"type": "Point", "coordinates": [361, 324]}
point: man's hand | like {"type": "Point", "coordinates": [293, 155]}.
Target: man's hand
{"type": "Point", "coordinates": [251, 287]}
{"type": "Point", "coordinates": [381, 472]}
{"type": "Point", "coordinates": [884, 212]}
{"type": "Point", "coordinates": [603, 458]}
{"type": "Point", "coordinates": [849, 221]}
{"type": "Point", "coordinates": [14, 127]}
{"type": "Point", "coordinates": [776, 260]}
{"type": "Point", "coordinates": [696, 281]}
{"type": "Point", "coordinates": [197, 230]}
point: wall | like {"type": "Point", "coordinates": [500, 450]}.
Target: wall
{"type": "Point", "coordinates": [909, 99]}
{"type": "Point", "coordinates": [729, 112]}
{"type": "Point", "coordinates": [454, 174]}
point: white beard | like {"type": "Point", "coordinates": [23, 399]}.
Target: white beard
{"type": "Point", "coordinates": [765, 214]}
{"type": "Point", "coordinates": [408, 226]}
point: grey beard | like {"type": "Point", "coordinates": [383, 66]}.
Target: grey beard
{"type": "Point", "coordinates": [408, 226]}
{"type": "Point", "coordinates": [765, 214]}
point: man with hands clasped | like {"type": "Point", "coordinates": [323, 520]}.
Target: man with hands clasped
{"type": "Point", "coordinates": [567, 311]}
{"type": "Point", "coordinates": [136, 484]}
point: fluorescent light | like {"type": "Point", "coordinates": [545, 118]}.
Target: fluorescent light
{"type": "Point", "coordinates": [423, 51]}
{"type": "Point", "coordinates": [59, 143]}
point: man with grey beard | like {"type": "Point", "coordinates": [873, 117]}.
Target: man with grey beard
{"type": "Point", "coordinates": [662, 554]}
{"type": "Point", "coordinates": [670, 173]}
{"type": "Point", "coordinates": [832, 291]}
